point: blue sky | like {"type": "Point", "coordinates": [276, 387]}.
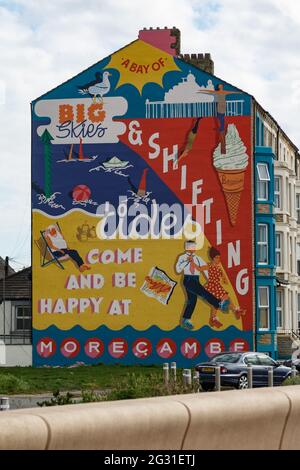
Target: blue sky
{"type": "Point", "coordinates": [254, 43]}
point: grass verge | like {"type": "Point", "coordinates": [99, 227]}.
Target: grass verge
{"type": "Point", "coordinates": [14, 380]}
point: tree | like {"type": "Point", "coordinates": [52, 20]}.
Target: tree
{"type": "Point", "coordinates": [46, 139]}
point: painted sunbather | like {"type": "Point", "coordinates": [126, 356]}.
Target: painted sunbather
{"type": "Point", "coordinates": [59, 247]}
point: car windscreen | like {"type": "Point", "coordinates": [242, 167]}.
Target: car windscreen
{"type": "Point", "coordinates": [231, 358]}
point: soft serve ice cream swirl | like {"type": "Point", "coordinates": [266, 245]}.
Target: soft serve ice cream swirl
{"type": "Point", "coordinates": [236, 157]}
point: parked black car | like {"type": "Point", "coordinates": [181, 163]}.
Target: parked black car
{"type": "Point", "coordinates": [234, 370]}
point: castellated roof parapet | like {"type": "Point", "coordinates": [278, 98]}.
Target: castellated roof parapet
{"type": "Point", "coordinates": [200, 60]}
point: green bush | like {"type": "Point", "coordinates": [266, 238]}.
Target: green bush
{"type": "Point", "coordinates": [135, 386]}
{"type": "Point", "coordinates": [142, 386]}
{"type": "Point", "coordinates": [58, 399]}
{"type": "Point", "coordinates": [9, 383]}
{"type": "Point", "coordinates": [129, 387]}
{"type": "Point", "coordinates": [292, 381]}
{"type": "Point", "coordinates": [89, 396]}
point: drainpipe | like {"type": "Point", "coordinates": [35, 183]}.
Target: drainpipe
{"type": "Point", "coordinates": [254, 113]}
{"type": "Point", "coordinates": [4, 287]}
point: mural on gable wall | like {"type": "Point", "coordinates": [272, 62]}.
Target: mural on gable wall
{"type": "Point", "coordinates": [142, 214]}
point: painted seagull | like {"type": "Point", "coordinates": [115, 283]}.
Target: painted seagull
{"type": "Point", "coordinates": [98, 87]}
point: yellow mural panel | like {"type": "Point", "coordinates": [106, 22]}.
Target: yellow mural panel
{"type": "Point", "coordinates": [140, 311]}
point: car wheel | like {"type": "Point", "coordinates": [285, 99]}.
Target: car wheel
{"type": "Point", "coordinates": [207, 387]}
{"type": "Point", "coordinates": [242, 382]}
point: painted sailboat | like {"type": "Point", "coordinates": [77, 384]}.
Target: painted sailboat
{"type": "Point", "coordinates": [78, 157]}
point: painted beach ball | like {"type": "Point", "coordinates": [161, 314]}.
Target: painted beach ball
{"type": "Point", "coordinates": [81, 193]}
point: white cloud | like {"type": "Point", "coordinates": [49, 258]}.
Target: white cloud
{"type": "Point", "coordinates": [254, 44]}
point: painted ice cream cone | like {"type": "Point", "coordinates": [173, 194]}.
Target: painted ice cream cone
{"type": "Point", "coordinates": [231, 168]}
{"type": "Point", "coordinates": [232, 182]}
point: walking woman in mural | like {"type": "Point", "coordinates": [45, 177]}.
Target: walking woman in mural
{"type": "Point", "coordinates": [214, 287]}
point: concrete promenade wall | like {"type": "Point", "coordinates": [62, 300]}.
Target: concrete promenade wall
{"type": "Point", "coordinates": [238, 419]}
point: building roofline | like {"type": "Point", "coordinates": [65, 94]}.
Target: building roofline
{"type": "Point", "coordinates": [186, 62]}
{"type": "Point", "coordinates": [17, 273]}
{"type": "Point", "coordinates": [278, 126]}
{"type": "Point", "coordinates": [82, 71]}
{"type": "Point", "coordinates": [129, 44]}
{"type": "Point", "coordinates": [9, 282]}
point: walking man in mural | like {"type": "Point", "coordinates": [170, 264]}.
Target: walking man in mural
{"type": "Point", "coordinates": [190, 265]}
{"type": "Point", "coordinates": [220, 98]}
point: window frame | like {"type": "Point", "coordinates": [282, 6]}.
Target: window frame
{"type": "Point", "coordinates": [298, 257]}
{"type": "Point", "coordinates": [263, 181]}
{"type": "Point", "coordinates": [279, 308]}
{"type": "Point", "coordinates": [298, 309]}
{"type": "Point", "coordinates": [278, 250]}
{"type": "Point", "coordinates": [262, 244]}
{"type": "Point", "coordinates": [291, 253]}
{"type": "Point", "coordinates": [266, 307]}
{"type": "Point", "coordinates": [298, 208]}
{"type": "Point", "coordinates": [27, 317]}
{"type": "Point", "coordinates": [277, 192]}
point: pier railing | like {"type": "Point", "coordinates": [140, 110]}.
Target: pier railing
{"type": "Point", "coordinates": [161, 109]}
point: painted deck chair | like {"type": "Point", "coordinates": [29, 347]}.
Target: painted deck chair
{"type": "Point", "coordinates": [48, 256]}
